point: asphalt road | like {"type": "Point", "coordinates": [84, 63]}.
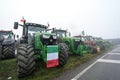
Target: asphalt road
{"type": "Point", "coordinates": [105, 67]}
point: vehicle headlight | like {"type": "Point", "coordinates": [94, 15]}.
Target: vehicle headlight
{"type": "Point", "coordinates": [46, 36]}
{"type": "Point", "coordinates": [54, 37]}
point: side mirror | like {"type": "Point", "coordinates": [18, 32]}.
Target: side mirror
{"type": "Point", "coordinates": [15, 25]}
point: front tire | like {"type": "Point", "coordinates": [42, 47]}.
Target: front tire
{"type": "Point", "coordinates": [25, 60]}
{"type": "Point", "coordinates": [63, 55]}
{"type": "Point", "coordinates": [8, 51]}
{"type": "Point", "coordinates": [67, 48]}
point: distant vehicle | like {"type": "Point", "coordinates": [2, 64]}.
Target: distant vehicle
{"type": "Point", "coordinates": [100, 42]}
{"type": "Point", "coordinates": [89, 40]}
{"type": "Point", "coordinates": [7, 44]}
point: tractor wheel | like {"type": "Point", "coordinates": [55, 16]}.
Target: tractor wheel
{"type": "Point", "coordinates": [63, 55]}
{"type": "Point", "coordinates": [8, 51]}
{"type": "Point", "coordinates": [66, 47]}
{"type": "Point", "coordinates": [25, 60]}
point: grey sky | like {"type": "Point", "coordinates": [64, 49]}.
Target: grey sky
{"type": "Point", "coordinates": [96, 17]}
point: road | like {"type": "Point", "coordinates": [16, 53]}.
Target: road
{"type": "Point", "coordinates": [106, 67]}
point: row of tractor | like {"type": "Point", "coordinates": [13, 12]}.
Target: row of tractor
{"type": "Point", "coordinates": [40, 43]}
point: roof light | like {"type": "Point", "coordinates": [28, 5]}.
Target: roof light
{"type": "Point", "coordinates": [23, 20]}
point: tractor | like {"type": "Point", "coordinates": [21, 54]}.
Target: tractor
{"type": "Point", "coordinates": [89, 40]}
{"type": "Point", "coordinates": [7, 44]}
{"type": "Point", "coordinates": [100, 42]}
{"type": "Point", "coordinates": [74, 44]}
{"type": "Point", "coordinates": [37, 44]}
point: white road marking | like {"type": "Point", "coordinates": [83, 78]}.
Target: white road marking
{"type": "Point", "coordinates": [109, 61]}
{"type": "Point", "coordinates": [86, 69]}
{"type": "Point", "coordinates": [114, 53]}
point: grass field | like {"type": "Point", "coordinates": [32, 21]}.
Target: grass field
{"type": "Point", "coordinates": [8, 68]}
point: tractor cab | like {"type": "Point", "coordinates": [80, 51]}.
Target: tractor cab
{"type": "Point", "coordinates": [88, 40]}
{"type": "Point", "coordinates": [60, 33]}
{"type": "Point", "coordinates": [6, 37]}
{"type": "Point", "coordinates": [31, 30]}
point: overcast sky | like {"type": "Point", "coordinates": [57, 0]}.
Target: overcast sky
{"type": "Point", "coordinates": [99, 18]}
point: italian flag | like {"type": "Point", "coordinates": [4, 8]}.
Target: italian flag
{"type": "Point", "coordinates": [52, 56]}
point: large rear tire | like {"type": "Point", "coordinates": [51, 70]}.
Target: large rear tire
{"type": "Point", "coordinates": [25, 60]}
{"type": "Point", "coordinates": [63, 55]}
{"type": "Point", "coordinates": [8, 51]}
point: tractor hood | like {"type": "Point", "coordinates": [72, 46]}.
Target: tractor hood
{"type": "Point", "coordinates": [42, 39]}
{"type": "Point", "coordinates": [8, 41]}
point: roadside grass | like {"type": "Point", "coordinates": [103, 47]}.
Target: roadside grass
{"type": "Point", "coordinates": [8, 68]}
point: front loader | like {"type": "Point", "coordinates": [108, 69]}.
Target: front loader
{"type": "Point", "coordinates": [36, 44]}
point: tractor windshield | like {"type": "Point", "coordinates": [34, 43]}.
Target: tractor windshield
{"type": "Point", "coordinates": [61, 34]}
{"type": "Point", "coordinates": [33, 29]}
{"type": "Point", "coordinates": [89, 38]}
{"type": "Point", "coordinates": [5, 35]}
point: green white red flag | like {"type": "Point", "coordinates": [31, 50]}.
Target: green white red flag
{"type": "Point", "coordinates": [83, 33]}
{"type": "Point", "coordinates": [52, 56]}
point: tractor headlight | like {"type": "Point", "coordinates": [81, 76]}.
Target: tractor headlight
{"type": "Point", "coordinates": [54, 37]}
{"type": "Point", "coordinates": [46, 36]}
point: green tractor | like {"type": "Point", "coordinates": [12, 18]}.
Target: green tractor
{"type": "Point", "coordinates": [75, 45]}
{"type": "Point", "coordinates": [36, 44]}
